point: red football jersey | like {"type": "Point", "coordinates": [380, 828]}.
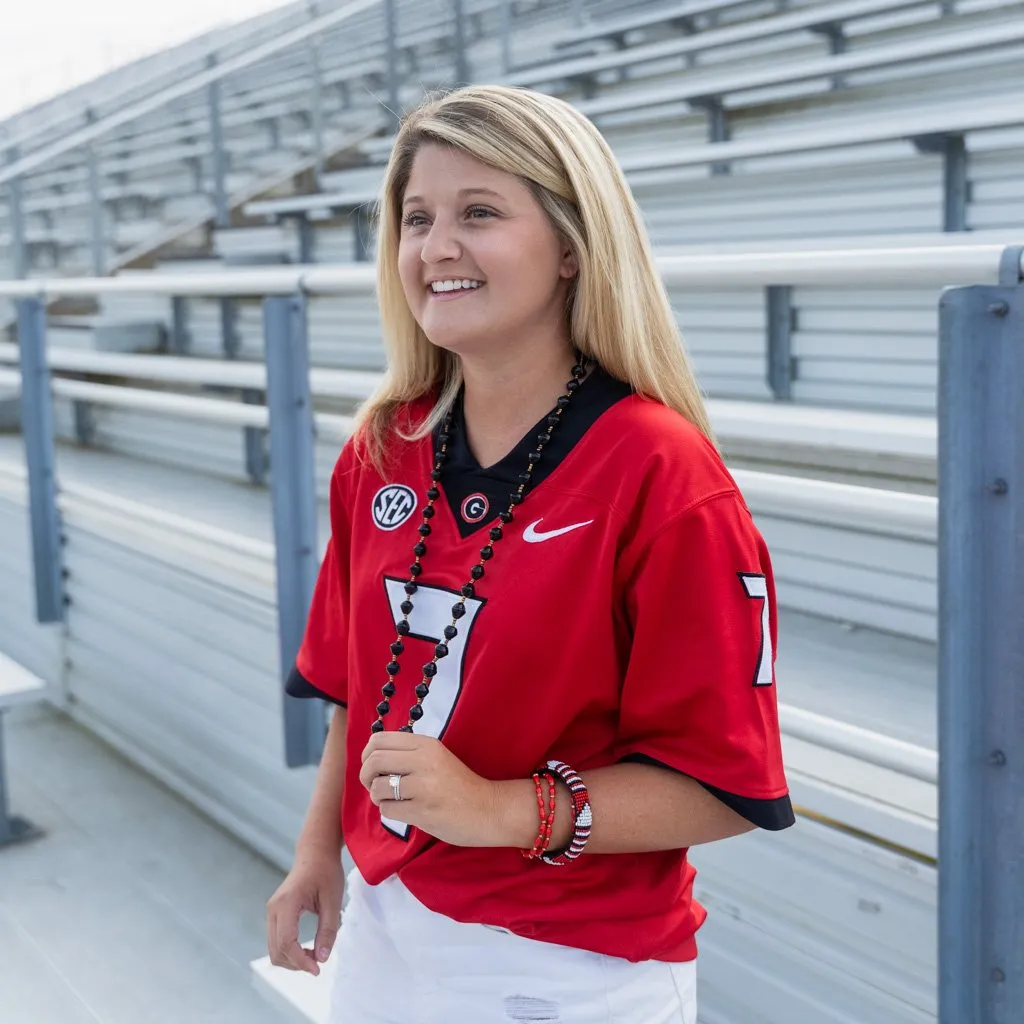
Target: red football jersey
{"type": "Point", "coordinates": [628, 613]}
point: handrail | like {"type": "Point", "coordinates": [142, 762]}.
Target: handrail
{"type": "Point", "coordinates": [84, 136]}
{"type": "Point", "coordinates": [324, 382]}
{"type": "Point", "coordinates": [869, 509]}
{"type": "Point", "coordinates": [886, 433]}
{"type": "Point", "coordinates": [206, 410]}
{"type": "Point", "coordinates": [920, 265]}
{"type": "Point", "coordinates": [866, 509]}
{"type": "Point", "coordinates": [865, 744]}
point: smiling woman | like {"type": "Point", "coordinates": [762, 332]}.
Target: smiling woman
{"type": "Point", "coordinates": [537, 550]}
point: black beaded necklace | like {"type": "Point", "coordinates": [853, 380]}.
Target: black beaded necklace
{"type": "Point", "coordinates": [579, 372]}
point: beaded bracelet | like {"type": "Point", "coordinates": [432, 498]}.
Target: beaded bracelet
{"type": "Point", "coordinates": [547, 820]}
{"type": "Point", "coordinates": [582, 816]}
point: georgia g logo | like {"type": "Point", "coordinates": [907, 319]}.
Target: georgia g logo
{"type": "Point", "coordinates": [475, 507]}
{"type": "Point", "coordinates": [392, 506]}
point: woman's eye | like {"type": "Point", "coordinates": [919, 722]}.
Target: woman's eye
{"type": "Point", "coordinates": [473, 211]}
{"type": "Point", "coordinates": [412, 220]}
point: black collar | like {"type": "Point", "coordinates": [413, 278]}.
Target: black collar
{"type": "Point", "coordinates": [463, 476]}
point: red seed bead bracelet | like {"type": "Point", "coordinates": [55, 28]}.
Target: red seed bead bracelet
{"type": "Point", "coordinates": [547, 820]}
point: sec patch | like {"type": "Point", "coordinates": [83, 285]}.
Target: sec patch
{"type": "Point", "coordinates": [392, 506]}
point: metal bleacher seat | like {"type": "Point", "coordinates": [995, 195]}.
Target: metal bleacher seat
{"type": "Point", "coordinates": [828, 19]}
{"type": "Point", "coordinates": [953, 40]}
{"type": "Point", "coordinates": [684, 16]}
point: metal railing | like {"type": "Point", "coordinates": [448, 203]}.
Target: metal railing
{"type": "Point", "coordinates": [980, 540]}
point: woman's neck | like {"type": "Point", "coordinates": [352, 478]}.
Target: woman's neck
{"type": "Point", "coordinates": [501, 402]}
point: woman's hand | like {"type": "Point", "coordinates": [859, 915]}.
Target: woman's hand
{"type": "Point", "coordinates": [440, 795]}
{"type": "Point", "coordinates": [314, 885]}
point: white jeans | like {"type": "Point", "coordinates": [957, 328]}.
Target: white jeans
{"type": "Point", "coordinates": [400, 963]}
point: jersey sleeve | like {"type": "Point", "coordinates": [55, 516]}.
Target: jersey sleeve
{"type": "Point", "coordinates": [699, 692]}
{"type": "Point", "coordinates": [321, 666]}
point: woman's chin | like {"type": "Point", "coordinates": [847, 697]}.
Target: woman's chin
{"type": "Point", "coordinates": [458, 343]}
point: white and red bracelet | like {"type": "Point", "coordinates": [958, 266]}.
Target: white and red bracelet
{"type": "Point", "coordinates": [582, 816]}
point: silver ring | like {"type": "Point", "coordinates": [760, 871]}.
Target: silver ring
{"type": "Point", "coordinates": [396, 786]}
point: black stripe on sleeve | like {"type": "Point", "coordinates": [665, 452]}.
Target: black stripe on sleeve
{"type": "Point", "coordinates": [297, 685]}
{"type": "Point", "coordinates": [773, 815]}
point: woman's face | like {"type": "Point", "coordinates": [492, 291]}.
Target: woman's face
{"type": "Point", "coordinates": [463, 221]}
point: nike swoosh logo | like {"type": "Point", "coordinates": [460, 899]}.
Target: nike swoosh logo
{"type": "Point", "coordinates": [533, 536]}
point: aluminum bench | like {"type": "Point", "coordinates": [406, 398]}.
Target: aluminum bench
{"type": "Point", "coordinates": [820, 18]}
{"type": "Point", "coordinates": [698, 88]}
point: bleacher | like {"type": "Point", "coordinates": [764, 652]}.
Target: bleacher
{"type": "Point", "coordinates": [761, 126]}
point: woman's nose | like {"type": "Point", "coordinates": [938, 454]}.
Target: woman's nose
{"type": "Point", "coordinates": [441, 243]}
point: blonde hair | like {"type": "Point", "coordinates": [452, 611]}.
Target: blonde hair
{"type": "Point", "coordinates": [619, 312]}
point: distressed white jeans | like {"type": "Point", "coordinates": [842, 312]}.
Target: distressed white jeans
{"type": "Point", "coordinates": [400, 963]}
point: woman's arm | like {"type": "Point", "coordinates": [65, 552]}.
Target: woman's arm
{"type": "Point", "coordinates": [638, 808]}
{"type": "Point", "coordinates": [321, 832]}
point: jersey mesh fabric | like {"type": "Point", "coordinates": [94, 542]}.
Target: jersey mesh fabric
{"type": "Point", "coordinates": [646, 632]}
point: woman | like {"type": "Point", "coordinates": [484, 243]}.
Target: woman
{"type": "Point", "coordinates": [545, 614]}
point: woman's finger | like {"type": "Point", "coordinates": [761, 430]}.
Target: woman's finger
{"type": "Point", "coordinates": [286, 949]}
{"type": "Point", "coordinates": [386, 762]}
{"type": "Point", "coordinates": [381, 792]}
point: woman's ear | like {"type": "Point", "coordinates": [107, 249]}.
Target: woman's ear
{"type": "Point", "coordinates": [570, 264]}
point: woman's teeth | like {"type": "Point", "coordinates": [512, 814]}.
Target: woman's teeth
{"type": "Point", "coordinates": [454, 285]}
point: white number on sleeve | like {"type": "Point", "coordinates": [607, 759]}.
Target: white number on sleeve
{"type": "Point", "coordinates": [756, 587]}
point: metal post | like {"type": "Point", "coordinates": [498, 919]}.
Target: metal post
{"type": "Point", "coordinates": [833, 32]}
{"type": "Point", "coordinates": [981, 651]}
{"type": "Point", "coordinates": [85, 423]}
{"type": "Point", "coordinates": [220, 194]}
{"type": "Point", "coordinates": [718, 127]}
{"type": "Point", "coordinates": [229, 337]}
{"type": "Point", "coordinates": [391, 23]}
{"type": "Point", "coordinates": [37, 431]}
{"type": "Point", "coordinates": [19, 257]}
{"type": "Point", "coordinates": [315, 47]}
{"type": "Point", "coordinates": [12, 828]}
{"type": "Point", "coordinates": [506, 37]}
{"type": "Point", "coordinates": [97, 241]}
{"type": "Point", "coordinates": [955, 185]}
{"type": "Point", "coordinates": [306, 241]}
{"type": "Point", "coordinates": [181, 340]}
{"type": "Point", "coordinates": [461, 62]}
{"type": "Point", "coordinates": [780, 318]}
{"type": "Point", "coordinates": [293, 490]}
{"type": "Point", "coordinates": [6, 825]}
{"type": "Point", "coordinates": [255, 440]}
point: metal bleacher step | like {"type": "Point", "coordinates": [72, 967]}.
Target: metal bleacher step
{"type": "Point", "coordinates": [302, 998]}
{"type": "Point", "coordinates": [134, 906]}
{"type": "Point", "coordinates": [101, 334]}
